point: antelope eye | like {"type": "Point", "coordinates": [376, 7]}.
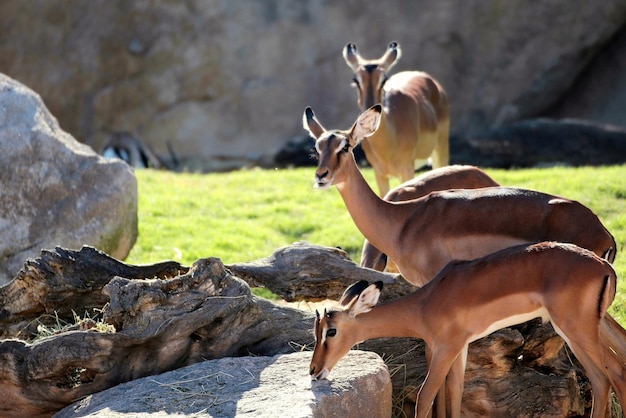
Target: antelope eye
{"type": "Point", "coordinates": [331, 332]}
{"type": "Point", "coordinates": [355, 82]}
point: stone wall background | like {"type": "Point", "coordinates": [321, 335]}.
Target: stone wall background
{"type": "Point", "coordinates": [226, 81]}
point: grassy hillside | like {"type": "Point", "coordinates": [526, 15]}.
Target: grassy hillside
{"type": "Point", "coordinates": [246, 215]}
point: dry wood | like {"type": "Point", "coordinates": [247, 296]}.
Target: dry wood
{"type": "Point", "coordinates": [307, 272]}
{"type": "Point", "coordinates": [179, 316]}
{"type": "Point", "coordinates": [60, 282]}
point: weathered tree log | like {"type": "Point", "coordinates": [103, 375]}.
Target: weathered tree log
{"type": "Point", "coordinates": [307, 272]}
{"type": "Point", "coordinates": [63, 282]}
{"type": "Point", "coordinates": [168, 321]}
{"type": "Point", "coordinates": [159, 325]}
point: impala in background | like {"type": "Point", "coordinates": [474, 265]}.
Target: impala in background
{"type": "Point", "coordinates": [416, 116]}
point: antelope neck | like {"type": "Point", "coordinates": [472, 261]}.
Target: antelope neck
{"type": "Point", "coordinates": [374, 217]}
{"type": "Point", "coordinates": [391, 320]}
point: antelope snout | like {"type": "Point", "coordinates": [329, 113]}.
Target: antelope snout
{"type": "Point", "coordinates": [318, 375]}
{"type": "Point", "coordinates": [323, 178]}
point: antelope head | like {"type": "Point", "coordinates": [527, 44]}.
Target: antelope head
{"type": "Point", "coordinates": [370, 75]}
{"type": "Point", "coordinates": [338, 330]}
{"type": "Point", "coordinates": [334, 148]}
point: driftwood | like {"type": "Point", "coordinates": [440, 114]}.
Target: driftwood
{"type": "Point", "coordinates": [179, 316]}
{"type": "Point", "coordinates": [62, 282]}
{"type": "Point", "coordinates": [305, 272]}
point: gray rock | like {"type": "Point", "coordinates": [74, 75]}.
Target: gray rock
{"type": "Point", "coordinates": [599, 93]}
{"type": "Point", "coordinates": [542, 143]}
{"type": "Point", "coordinates": [279, 386]}
{"type": "Point", "coordinates": [55, 190]}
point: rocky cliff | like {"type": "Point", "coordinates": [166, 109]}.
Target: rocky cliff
{"type": "Point", "coordinates": [225, 82]}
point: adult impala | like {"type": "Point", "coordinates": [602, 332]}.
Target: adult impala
{"type": "Point", "coordinates": [425, 234]}
{"type": "Point", "coordinates": [416, 121]}
{"type": "Point", "coordinates": [563, 283]}
{"type": "Point", "coordinates": [444, 178]}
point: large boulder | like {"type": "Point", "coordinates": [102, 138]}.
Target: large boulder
{"type": "Point", "coordinates": [55, 190]}
{"type": "Point", "coordinates": [226, 82]}
{"type": "Point", "coordinates": [278, 386]}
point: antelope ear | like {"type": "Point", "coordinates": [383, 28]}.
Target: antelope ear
{"type": "Point", "coordinates": [391, 56]}
{"type": "Point", "coordinates": [311, 124]}
{"type": "Point", "coordinates": [352, 292]}
{"type": "Point", "coordinates": [366, 124]}
{"type": "Point", "coordinates": [317, 322]}
{"type": "Point", "coordinates": [351, 56]}
{"type": "Point", "coordinates": [366, 299]}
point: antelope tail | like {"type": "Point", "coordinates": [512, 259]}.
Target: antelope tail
{"type": "Point", "coordinates": [606, 295]}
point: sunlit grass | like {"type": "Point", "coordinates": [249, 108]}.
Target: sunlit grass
{"type": "Point", "coordinates": [245, 215]}
{"type": "Point", "coordinates": [239, 216]}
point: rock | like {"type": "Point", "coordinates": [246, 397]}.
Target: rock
{"type": "Point", "coordinates": [55, 190]}
{"type": "Point", "coordinates": [599, 92]}
{"type": "Point", "coordinates": [543, 142]}
{"type": "Point", "coordinates": [226, 82]}
{"type": "Point", "coordinates": [278, 386]}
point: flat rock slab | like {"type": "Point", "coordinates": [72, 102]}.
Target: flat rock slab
{"type": "Point", "coordinates": [278, 386]}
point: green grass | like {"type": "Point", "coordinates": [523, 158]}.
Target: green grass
{"type": "Point", "coordinates": [245, 215]}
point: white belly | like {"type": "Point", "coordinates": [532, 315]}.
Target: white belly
{"type": "Point", "coordinates": [512, 320]}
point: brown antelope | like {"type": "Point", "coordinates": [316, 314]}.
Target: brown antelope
{"type": "Point", "coordinates": [444, 178]}
{"type": "Point", "coordinates": [563, 283]}
{"type": "Point", "coordinates": [423, 235]}
{"type": "Point", "coordinates": [416, 115]}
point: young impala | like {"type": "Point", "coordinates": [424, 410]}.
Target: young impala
{"type": "Point", "coordinates": [423, 235]}
{"type": "Point", "coordinates": [563, 283]}
{"type": "Point", "coordinates": [444, 178]}
{"type": "Point", "coordinates": [416, 121]}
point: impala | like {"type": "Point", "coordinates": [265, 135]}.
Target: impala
{"type": "Point", "coordinates": [425, 234]}
{"type": "Point", "coordinates": [563, 283]}
{"type": "Point", "coordinates": [444, 178]}
{"type": "Point", "coordinates": [416, 120]}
